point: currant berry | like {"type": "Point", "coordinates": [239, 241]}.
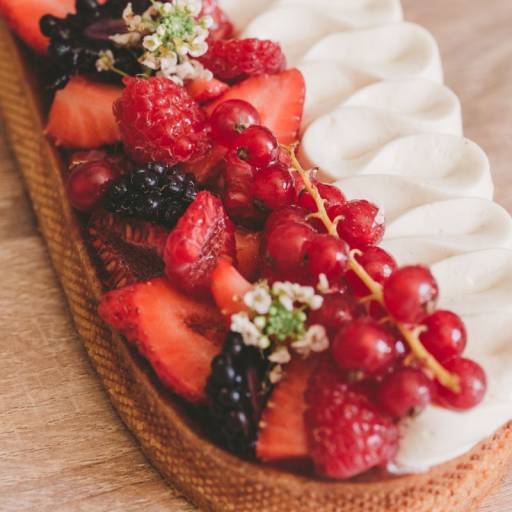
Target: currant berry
{"type": "Point", "coordinates": [405, 392]}
{"type": "Point", "coordinates": [473, 385]}
{"type": "Point", "coordinates": [285, 245]}
{"type": "Point", "coordinates": [378, 264]}
{"type": "Point", "coordinates": [257, 146]}
{"type": "Point", "coordinates": [361, 222]}
{"type": "Point", "coordinates": [327, 255]}
{"type": "Point", "coordinates": [410, 294]}
{"type": "Point", "coordinates": [274, 187]}
{"type": "Point", "coordinates": [329, 193]}
{"type": "Point", "coordinates": [445, 336]}
{"type": "Point", "coordinates": [230, 119]}
{"type": "Point", "coordinates": [289, 214]}
{"type": "Point", "coordinates": [336, 311]}
{"type": "Point", "coordinates": [88, 182]}
{"type": "Point", "coordinates": [362, 345]}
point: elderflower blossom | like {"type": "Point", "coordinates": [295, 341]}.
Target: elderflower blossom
{"type": "Point", "coordinates": [171, 36]}
{"type": "Point", "coordinates": [315, 340]}
{"type": "Point", "coordinates": [105, 61]}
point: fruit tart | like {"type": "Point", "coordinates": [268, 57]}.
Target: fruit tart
{"type": "Point", "coordinates": [294, 239]}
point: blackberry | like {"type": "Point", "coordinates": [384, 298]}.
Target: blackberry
{"type": "Point", "coordinates": [77, 40]}
{"type": "Point", "coordinates": [237, 391]}
{"type": "Point", "coordinates": [155, 192]}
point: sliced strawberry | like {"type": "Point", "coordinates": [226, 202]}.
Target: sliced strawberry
{"type": "Point", "coordinates": [228, 288]}
{"type": "Point", "coordinates": [221, 27]}
{"type": "Point", "coordinates": [81, 115]}
{"type": "Point", "coordinates": [282, 430]}
{"type": "Point", "coordinates": [279, 99]}
{"type": "Point", "coordinates": [202, 237]}
{"type": "Point", "coordinates": [206, 90]}
{"type": "Point", "coordinates": [24, 15]}
{"type": "Point", "coordinates": [208, 168]}
{"type": "Point", "coordinates": [178, 336]}
{"type": "Point", "coordinates": [248, 252]}
{"type": "Point", "coordinates": [127, 250]}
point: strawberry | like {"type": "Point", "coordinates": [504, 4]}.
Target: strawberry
{"type": "Point", "coordinates": [204, 91]}
{"type": "Point", "coordinates": [127, 250]}
{"type": "Point", "coordinates": [81, 115]}
{"type": "Point", "coordinates": [228, 288]}
{"type": "Point", "coordinates": [282, 431]}
{"type": "Point", "coordinates": [279, 99]}
{"type": "Point", "coordinates": [179, 336]}
{"type": "Point", "coordinates": [203, 236]}
{"type": "Point", "coordinates": [248, 252]}
{"type": "Point", "coordinates": [24, 15]}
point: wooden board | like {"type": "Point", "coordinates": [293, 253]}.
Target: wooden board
{"type": "Point", "coordinates": [62, 448]}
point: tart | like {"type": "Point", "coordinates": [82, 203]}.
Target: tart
{"type": "Point", "coordinates": [291, 232]}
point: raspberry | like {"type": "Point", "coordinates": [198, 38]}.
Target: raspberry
{"type": "Point", "coordinates": [202, 237]}
{"type": "Point", "coordinates": [347, 434]}
{"type": "Point", "coordinates": [160, 122]}
{"type": "Point", "coordinates": [235, 59]}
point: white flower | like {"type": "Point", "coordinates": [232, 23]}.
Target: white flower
{"type": "Point", "coordinates": [323, 284]}
{"type": "Point", "coordinates": [316, 302]}
{"type": "Point", "coordinates": [185, 71]}
{"type": "Point", "coordinates": [105, 61]}
{"type": "Point", "coordinates": [317, 338]}
{"type": "Point", "coordinates": [161, 30]}
{"type": "Point", "coordinates": [282, 288]}
{"type": "Point", "coordinates": [168, 65]}
{"type": "Point", "coordinates": [167, 8]}
{"type": "Point", "coordinates": [198, 48]}
{"type": "Point", "coordinates": [252, 336]}
{"type": "Point", "coordinates": [259, 300]}
{"type": "Point", "coordinates": [280, 356]}
{"type": "Point", "coordinates": [260, 322]}
{"type": "Point", "coordinates": [286, 302]}
{"type": "Point", "coordinates": [207, 22]}
{"type": "Point", "coordinates": [151, 43]}
{"type": "Point", "coordinates": [302, 347]}
{"type": "Point", "coordinates": [276, 374]}
{"type": "Point", "coordinates": [150, 61]}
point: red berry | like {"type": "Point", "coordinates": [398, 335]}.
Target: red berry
{"type": "Point", "coordinates": [473, 385]}
{"type": "Point", "coordinates": [235, 59]}
{"type": "Point", "coordinates": [274, 187]}
{"type": "Point", "coordinates": [362, 345]}
{"type": "Point", "coordinates": [347, 434]}
{"type": "Point", "coordinates": [336, 311]}
{"type": "Point", "coordinates": [88, 182]}
{"type": "Point", "coordinates": [405, 392]}
{"type": "Point", "coordinates": [445, 336]}
{"type": "Point", "coordinates": [378, 263]}
{"type": "Point", "coordinates": [230, 119]}
{"type": "Point", "coordinates": [410, 294]}
{"type": "Point", "coordinates": [332, 196]}
{"type": "Point", "coordinates": [361, 224]}
{"type": "Point", "coordinates": [289, 214]}
{"type": "Point", "coordinates": [203, 236]}
{"type": "Point", "coordinates": [327, 255]}
{"type": "Point", "coordinates": [285, 244]}
{"type": "Point", "coordinates": [160, 122]}
{"type": "Point", "coordinates": [258, 146]}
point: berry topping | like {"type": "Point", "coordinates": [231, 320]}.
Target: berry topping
{"type": "Point", "coordinates": [410, 293]}
{"type": "Point", "coordinates": [282, 432]}
{"type": "Point", "coordinates": [257, 146]}
{"type": "Point", "coordinates": [327, 255]}
{"type": "Point", "coordinates": [179, 336]}
{"type": "Point", "coordinates": [472, 382]}
{"type": "Point", "coordinates": [347, 434]}
{"type": "Point", "coordinates": [228, 288]}
{"type": "Point", "coordinates": [127, 250]}
{"type": "Point", "coordinates": [248, 245]}
{"type": "Point", "coordinates": [236, 59]}
{"type": "Point", "coordinates": [88, 182]}
{"type": "Point", "coordinates": [81, 115]}
{"type": "Point", "coordinates": [363, 345]}
{"type": "Point", "coordinates": [230, 119]}
{"type": "Point", "coordinates": [203, 91]}
{"type": "Point", "coordinates": [330, 194]}
{"type": "Point", "coordinates": [361, 222]}
{"type": "Point", "coordinates": [273, 186]}
{"type": "Point", "coordinates": [237, 393]}
{"type": "Point", "coordinates": [405, 392]}
{"type": "Point", "coordinates": [445, 336]}
{"type": "Point", "coordinates": [154, 192]}
{"type": "Point", "coordinates": [203, 236]}
{"type": "Point", "coordinates": [160, 122]}
{"type": "Point", "coordinates": [378, 263]}
{"type": "Point", "coordinates": [279, 99]}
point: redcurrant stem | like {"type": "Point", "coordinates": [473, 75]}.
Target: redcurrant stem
{"type": "Point", "coordinates": [411, 336]}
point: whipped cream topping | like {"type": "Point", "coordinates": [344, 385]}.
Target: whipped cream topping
{"type": "Point", "coordinates": [381, 125]}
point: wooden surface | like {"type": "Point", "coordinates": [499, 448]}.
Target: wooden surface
{"type": "Point", "coordinates": [62, 448]}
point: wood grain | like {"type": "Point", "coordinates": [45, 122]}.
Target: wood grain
{"type": "Point", "coordinates": [62, 448]}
